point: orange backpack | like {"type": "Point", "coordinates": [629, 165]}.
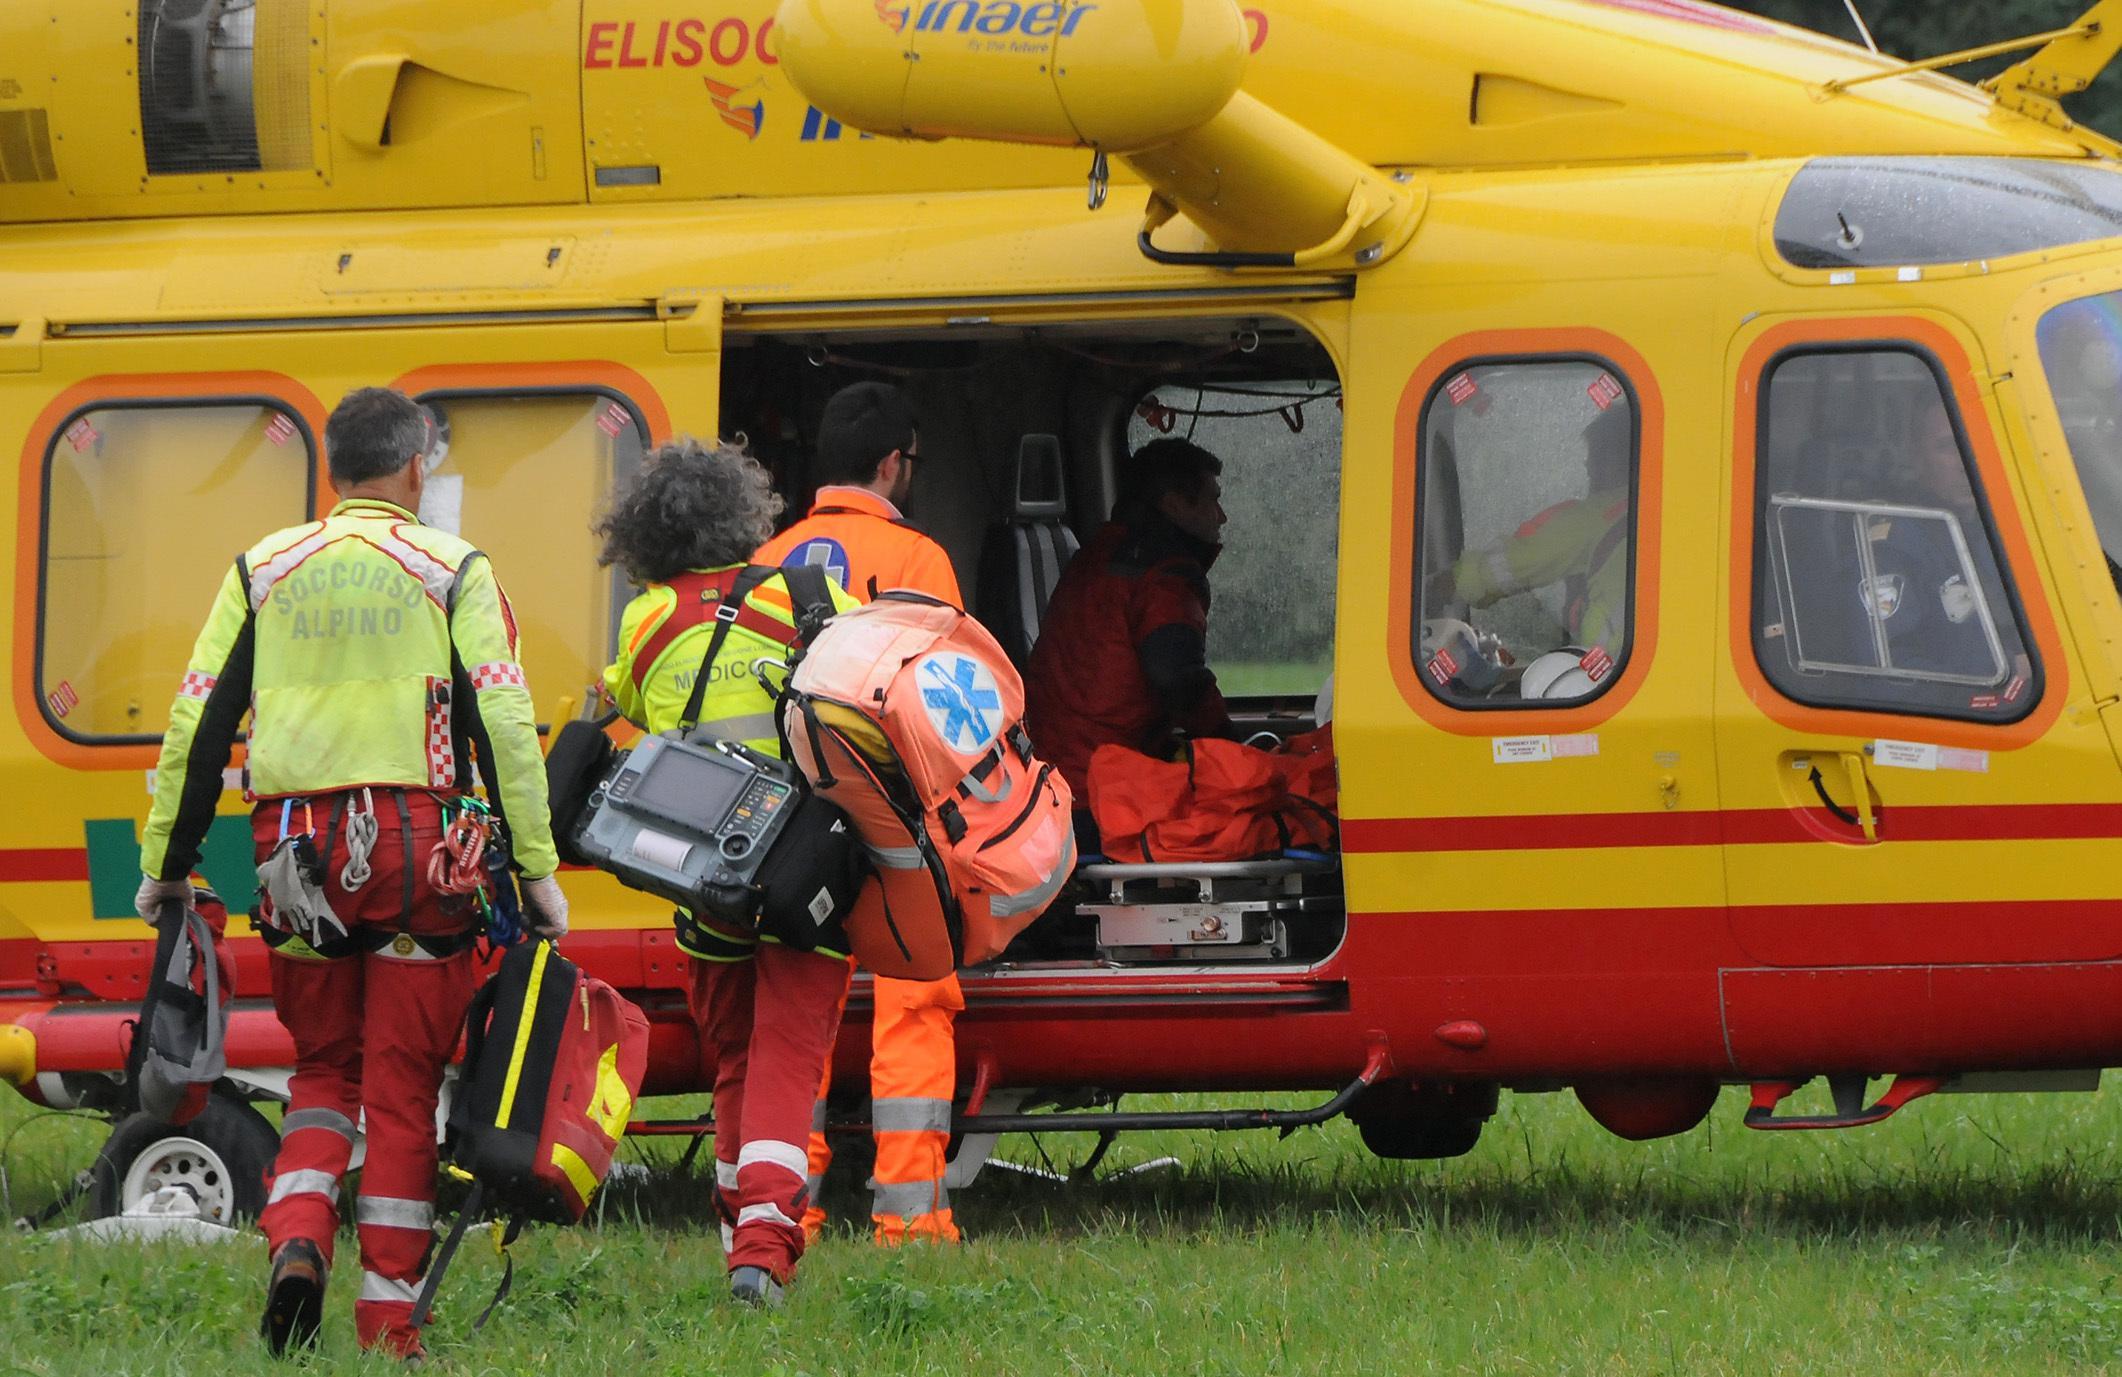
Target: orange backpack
{"type": "Point", "coordinates": [906, 714]}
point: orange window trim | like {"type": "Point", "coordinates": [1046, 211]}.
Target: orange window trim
{"type": "Point", "coordinates": [584, 375]}
{"type": "Point", "coordinates": [1649, 498]}
{"type": "Point", "coordinates": [117, 389]}
{"type": "Point", "coordinates": [2024, 572]}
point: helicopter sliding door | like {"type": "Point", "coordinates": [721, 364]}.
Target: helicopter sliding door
{"type": "Point", "coordinates": [1910, 784]}
{"type": "Point", "coordinates": [1529, 792]}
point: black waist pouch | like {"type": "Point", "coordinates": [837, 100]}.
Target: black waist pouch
{"type": "Point", "coordinates": [809, 880]}
{"type": "Point", "coordinates": [577, 760]}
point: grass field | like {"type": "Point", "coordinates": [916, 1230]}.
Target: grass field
{"type": "Point", "coordinates": [1970, 1234]}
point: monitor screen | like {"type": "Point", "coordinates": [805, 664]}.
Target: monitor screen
{"type": "Point", "coordinates": [689, 786]}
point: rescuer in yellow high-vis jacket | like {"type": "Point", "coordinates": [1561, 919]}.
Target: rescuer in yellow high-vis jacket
{"type": "Point", "coordinates": [1580, 544]}
{"type": "Point", "coordinates": [376, 660]}
{"type": "Point", "coordinates": [766, 1012]}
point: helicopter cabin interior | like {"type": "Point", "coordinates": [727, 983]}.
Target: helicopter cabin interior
{"type": "Point", "coordinates": [1025, 432]}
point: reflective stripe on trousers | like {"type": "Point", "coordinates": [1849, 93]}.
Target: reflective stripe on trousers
{"type": "Point", "coordinates": [393, 1212]}
{"type": "Point", "coordinates": [289, 1183]}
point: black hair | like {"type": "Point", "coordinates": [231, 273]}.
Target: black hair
{"type": "Point", "coordinates": [1166, 467]}
{"type": "Point", "coordinates": [691, 507]}
{"type": "Point", "coordinates": [862, 424]}
{"type": "Point", "coordinates": [373, 433]}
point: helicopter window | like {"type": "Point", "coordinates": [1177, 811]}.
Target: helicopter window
{"type": "Point", "coordinates": [1527, 495]}
{"type": "Point", "coordinates": [1280, 443]}
{"type": "Point", "coordinates": [2081, 352]}
{"type": "Point", "coordinates": [1889, 212]}
{"type": "Point", "coordinates": [134, 493]}
{"type": "Point", "coordinates": [571, 446]}
{"type": "Point", "coordinates": [1877, 579]}
{"type": "Point", "coordinates": [224, 86]}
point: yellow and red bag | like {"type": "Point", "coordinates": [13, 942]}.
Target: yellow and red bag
{"type": "Point", "coordinates": [553, 1059]}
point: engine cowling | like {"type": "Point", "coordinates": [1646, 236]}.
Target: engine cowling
{"type": "Point", "coordinates": [1098, 73]}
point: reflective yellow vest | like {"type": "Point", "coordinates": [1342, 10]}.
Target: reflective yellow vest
{"type": "Point", "coordinates": [736, 706]}
{"type": "Point", "coordinates": [367, 649]}
{"type": "Point", "coordinates": [1581, 544]}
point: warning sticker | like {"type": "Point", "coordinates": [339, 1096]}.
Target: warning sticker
{"type": "Point", "coordinates": [81, 435]}
{"type": "Point", "coordinates": [1579, 743]}
{"type": "Point", "coordinates": [62, 700]}
{"type": "Point", "coordinates": [1520, 750]}
{"type": "Point", "coordinates": [614, 419]}
{"type": "Point", "coordinates": [279, 430]}
{"type": "Point", "coordinates": [1604, 391]}
{"type": "Point", "coordinates": [1461, 389]}
{"type": "Point", "coordinates": [1914, 755]}
{"type": "Point", "coordinates": [1442, 667]}
{"type": "Point", "coordinates": [1904, 755]}
{"type": "Point", "coordinates": [1596, 664]}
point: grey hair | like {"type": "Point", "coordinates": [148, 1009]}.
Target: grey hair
{"type": "Point", "coordinates": [691, 507]}
{"type": "Point", "coordinates": [373, 433]}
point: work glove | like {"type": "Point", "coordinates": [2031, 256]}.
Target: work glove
{"type": "Point", "coordinates": [547, 905]}
{"type": "Point", "coordinates": [154, 893]}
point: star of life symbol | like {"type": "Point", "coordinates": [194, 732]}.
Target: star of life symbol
{"type": "Point", "coordinates": [960, 694]}
{"type": "Point", "coordinates": [824, 552]}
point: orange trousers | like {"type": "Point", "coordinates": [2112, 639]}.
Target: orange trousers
{"type": "Point", "coordinates": [913, 1078]}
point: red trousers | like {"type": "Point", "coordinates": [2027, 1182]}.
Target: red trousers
{"type": "Point", "coordinates": [372, 1035]}
{"type": "Point", "coordinates": [769, 1021]}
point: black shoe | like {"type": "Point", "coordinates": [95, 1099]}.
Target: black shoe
{"type": "Point", "coordinates": [294, 1298]}
{"type": "Point", "coordinates": [752, 1286]}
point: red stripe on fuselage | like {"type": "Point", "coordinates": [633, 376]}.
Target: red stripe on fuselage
{"type": "Point", "coordinates": [32, 864]}
{"type": "Point", "coordinates": [1738, 827]}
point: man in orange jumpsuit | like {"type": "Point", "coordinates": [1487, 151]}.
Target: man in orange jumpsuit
{"type": "Point", "coordinates": [866, 458]}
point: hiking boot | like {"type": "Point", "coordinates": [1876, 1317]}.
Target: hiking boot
{"type": "Point", "coordinates": [754, 1287]}
{"type": "Point", "coordinates": [294, 1297]}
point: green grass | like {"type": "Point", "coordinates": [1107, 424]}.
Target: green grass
{"type": "Point", "coordinates": [1269, 679]}
{"type": "Point", "coordinates": [1967, 1235]}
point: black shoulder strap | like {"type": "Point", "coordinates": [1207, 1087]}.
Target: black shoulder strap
{"type": "Point", "coordinates": [424, 1304]}
{"type": "Point", "coordinates": [810, 598]}
{"type": "Point", "coordinates": [747, 580]}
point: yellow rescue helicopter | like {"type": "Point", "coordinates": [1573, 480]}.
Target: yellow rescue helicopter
{"type": "Point", "coordinates": [1692, 447]}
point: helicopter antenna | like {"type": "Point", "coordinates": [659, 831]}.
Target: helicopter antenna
{"type": "Point", "coordinates": [1862, 29]}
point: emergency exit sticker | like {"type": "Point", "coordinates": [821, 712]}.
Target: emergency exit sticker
{"type": "Point", "coordinates": [1519, 750]}
{"type": "Point", "coordinates": [1914, 755]}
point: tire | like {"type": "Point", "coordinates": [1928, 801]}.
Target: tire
{"type": "Point", "coordinates": [221, 1156]}
{"type": "Point", "coordinates": [1405, 1121]}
